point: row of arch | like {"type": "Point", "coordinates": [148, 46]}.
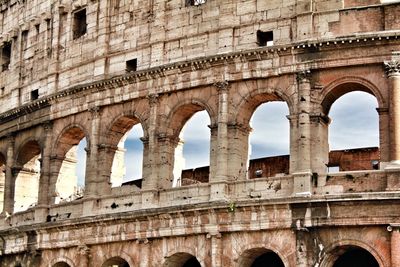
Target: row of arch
{"type": "Point", "coordinates": [343, 256]}
{"type": "Point", "coordinates": [26, 167]}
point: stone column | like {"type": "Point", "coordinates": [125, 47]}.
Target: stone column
{"type": "Point", "coordinates": [44, 196]}
{"type": "Point", "coordinates": [394, 230]}
{"type": "Point", "coordinates": [302, 175]}
{"type": "Point", "coordinates": [166, 148]}
{"type": "Point", "coordinates": [9, 184]}
{"type": "Point", "coordinates": [384, 137]}
{"type": "Point", "coordinates": [393, 72]}
{"type": "Point", "coordinates": [216, 248]}
{"type": "Point", "coordinates": [150, 161]}
{"type": "Point", "coordinates": [320, 148]}
{"type": "Point", "coordinates": [94, 186]}
{"type": "Point", "coordinates": [218, 183]}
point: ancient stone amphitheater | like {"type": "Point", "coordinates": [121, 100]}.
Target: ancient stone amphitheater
{"type": "Point", "coordinates": [75, 69]}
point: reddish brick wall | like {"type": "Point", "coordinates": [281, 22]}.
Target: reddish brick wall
{"type": "Point", "coordinates": [354, 3]}
{"type": "Point", "coordinates": [354, 159]}
{"type": "Point", "coordinates": [358, 20]}
{"type": "Point", "coordinates": [347, 160]}
{"type": "Point", "coordinates": [392, 17]}
{"type": "Point", "coordinates": [269, 166]}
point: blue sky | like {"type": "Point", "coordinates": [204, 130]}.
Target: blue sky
{"type": "Point", "coordinates": [354, 124]}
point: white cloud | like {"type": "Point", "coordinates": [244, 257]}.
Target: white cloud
{"type": "Point", "coordinates": [355, 122]}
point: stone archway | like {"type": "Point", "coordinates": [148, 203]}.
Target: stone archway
{"type": "Point", "coordinates": [61, 264]}
{"type": "Point", "coordinates": [27, 174]}
{"type": "Point", "coordinates": [351, 255]}
{"type": "Point", "coordinates": [182, 259]}
{"type": "Point", "coordinates": [260, 257]}
{"type": "Point", "coordinates": [115, 262]}
{"type": "Point", "coordinates": [65, 163]}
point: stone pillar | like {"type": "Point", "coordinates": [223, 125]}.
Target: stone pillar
{"type": "Point", "coordinates": [150, 158]}
{"type": "Point", "coordinates": [94, 185]}
{"type": "Point", "coordinates": [218, 183]}
{"type": "Point", "coordinates": [384, 137]}
{"type": "Point", "coordinates": [222, 134]}
{"type": "Point", "coordinates": [44, 196]}
{"type": "Point", "coordinates": [9, 184]}
{"type": "Point", "coordinates": [394, 230]}
{"type": "Point", "coordinates": [216, 249]}
{"type": "Point", "coordinates": [302, 175]}
{"type": "Point", "coordinates": [393, 169]}
{"type": "Point", "coordinates": [320, 148]}
{"type": "Point", "coordinates": [166, 146]}
{"type": "Point", "coordinates": [238, 151]}
{"type": "Point", "coordinates": [393, 73]}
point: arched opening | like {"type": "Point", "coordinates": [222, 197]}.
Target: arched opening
{"type": "Point", "coordinates": [61, 264]}
{"type": "Point", "coordinates": [260, 257]}
{"type": "Point", "coordinates": [126, 152]}
{"type": "Point", "coordinates": [269, 141]}
{"type": "Point", "coordinates": [182, 260]}
{"type": "Point", "coordinates": [115, 262]}
{"type": "Point", "coordinates": [353, 256]}
{"type": "Point", "coordinates": [27, 175]}
{"type": "Point", "coordinates": [71, 159]}
{"type": "Point", "coordinates": [2, 180]}
{"type": "Point", "coordinates": [354, 133]}
{"type": "Point", "coordinates": [192, 153]}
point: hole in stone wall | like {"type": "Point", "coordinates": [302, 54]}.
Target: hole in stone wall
{"type": "Point", "coordinates": [131, 65]}
{"type": "Point", "coordinates": [79, 25]}
{"type": "Point", "coordinates": [24, 39]}
{"type": "Point", "coordinates": [71, 161]}
{"type": "Point", "coordinates": [5, 56]}
{"type": "Point", "coordinates": [354, 132]}
{"type": "Point", "coordinates": [269, 140]}
{"type": "Point", "coordinates": [27, 172]}
{"type": "Point", "coordinates": [355, 256]}
{"type": "Point", "coordinates": [34, 94]}
{"type": "Point", "coordinates": [265, 38]}
{"type": "Point", "coordinates": [195, 2]}
{"type": "Point", "coordinates": [115, 262]}
{"type": "Point", "coordinates": [128, 158]}
{"type": "Point", "coordinates": [192, 153]}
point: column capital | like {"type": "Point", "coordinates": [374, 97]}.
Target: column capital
{"type": "Point", "coordinates": [10, 138]}
{"type": "Point", "coordinates": [222, 86]}
{"type": "Point", "coordinates": [303, 76]}
{"type": "Point", "coordinates": [47, 126]}
{"type": "Point", "coordinates": [392, 68]}
{"type": "Point", "coordinates": [153, 99]}
{"type": "Point", "coordinates": [95, 111]}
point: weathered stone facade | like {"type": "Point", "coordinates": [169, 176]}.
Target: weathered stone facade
{"type": "Point", "coordinates": [94, 69]}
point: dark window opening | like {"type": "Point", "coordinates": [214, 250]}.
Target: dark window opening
{"type": "Point", "coordinates": [265, 38]}
{"type": "Point", "coordinates": [37, 27]}
{"type": "Point", "coordinates": [2, 91]}
{"type": "Point", "coordinates": [268, 259]}
{"type": "Point", "coordinates": [5, 56]}
{"type": "Point", "coordinates": [34, 94]}
{"type": "Point", "coordinates": [131, 65]}
{"type": "Point", "coordinates": [80, 25]}
{"type": "Point", "coordinates": [24, 39]}
{"type": "Point", "coordinates": [356, 257]}
{"type": "Point", "coordinates": [192, 262]}
{"type": "Point", "coordinates": [195, 2]}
